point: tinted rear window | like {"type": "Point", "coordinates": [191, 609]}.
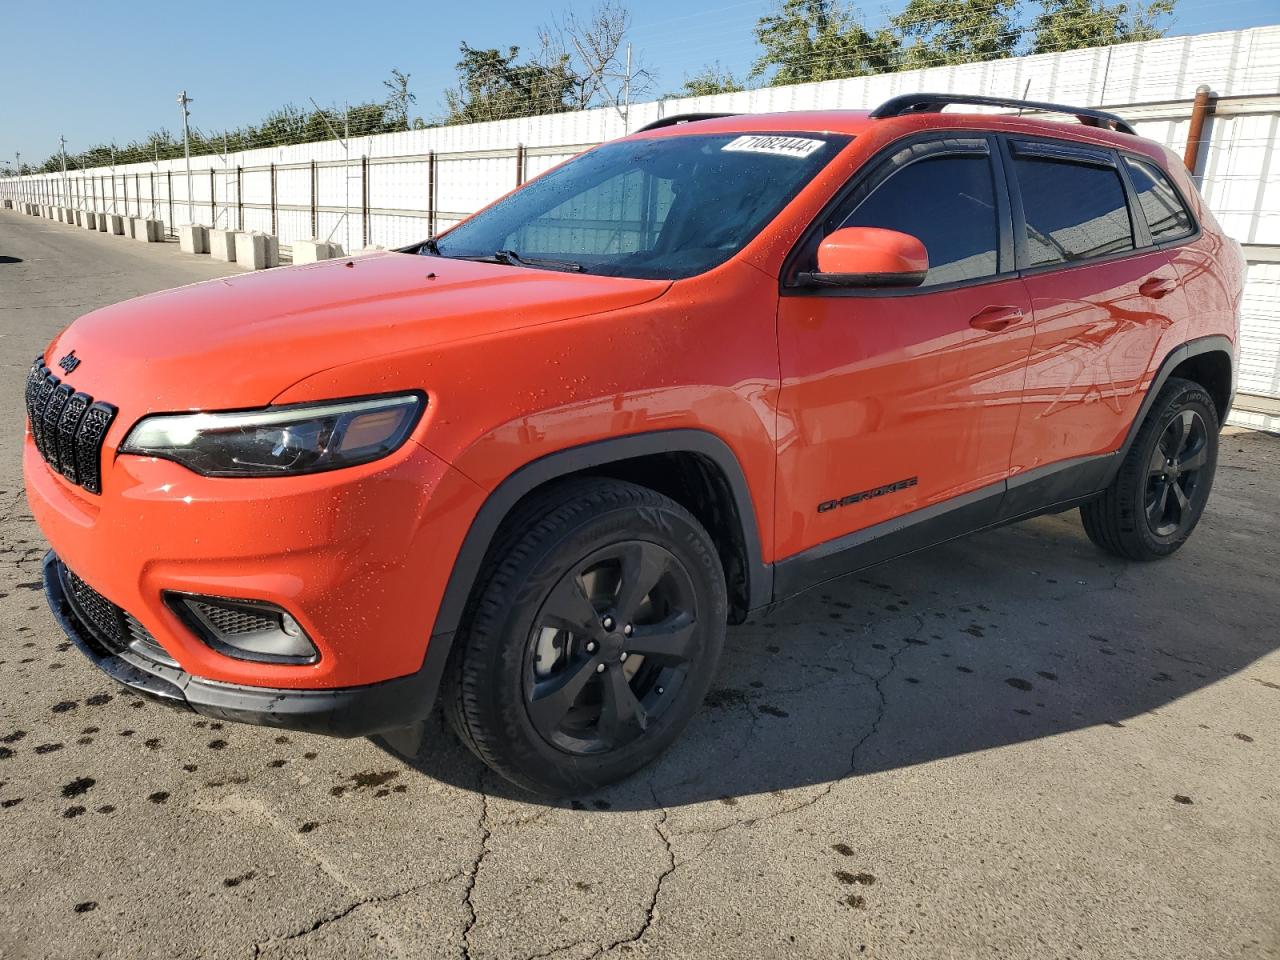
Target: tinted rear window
{"type": "Point", "coordinates": [1166, 217]}
{"type": "Point", "coordinates": [1074, 211]}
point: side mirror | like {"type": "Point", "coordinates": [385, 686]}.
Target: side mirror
{"type": "Point", "coordinates": [869, 257]}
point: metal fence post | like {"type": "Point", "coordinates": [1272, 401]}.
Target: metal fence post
{"type": "Point", "coordinates": [273, 200]}
{"type": "Point", "coordinates": [137, 195]}
{"type": "Point", "coordinates": [213, 202]}
{"type": "Point", "coordinates": [239, 197]}
{"type": "Point", "coordinates": [519, 164]}
{"type": "Point", "coordinates": [431, 193]}
{"type": "Point", "coordinates": [315, 212]}
{"type": "Point", "coordinates": [169, 193]}
{"type": "Point", "coordinates": [364, 199]}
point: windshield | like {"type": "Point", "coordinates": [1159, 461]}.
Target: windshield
{"type": "Point", "coordinates": [663, 208]}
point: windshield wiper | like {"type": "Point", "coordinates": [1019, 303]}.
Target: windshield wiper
{"type": "Point", "coordinates": [514, 259]}
{"type": "Point", "coordinates": [429, 246]}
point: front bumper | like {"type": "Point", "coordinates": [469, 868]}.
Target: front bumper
{"type": "Point", "coordinates": [359, 557]}
{"type": "Point", "coordinates": [341, 712]}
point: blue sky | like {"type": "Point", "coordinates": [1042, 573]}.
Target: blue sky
{"type": "Point", "coordinates": [98, 72]}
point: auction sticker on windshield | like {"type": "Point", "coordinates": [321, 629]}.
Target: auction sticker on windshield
{"type": "Point", "coordinates": [798, 147]}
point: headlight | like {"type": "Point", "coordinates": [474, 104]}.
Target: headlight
{"type": "Point", "coordinates": [278, 441]}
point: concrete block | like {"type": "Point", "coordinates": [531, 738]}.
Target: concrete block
{"type": "Point", "coordinates": [193, 238]}
{"type": "Point", "coordinates": [115, 224]}
{"type": "Point", "coordinates": [222, 245]}
{"type": "Point", "coordinates": [102, 222]}
{"type": "Point", "coordinates": [256, 250]}
{"type": "Point", "coordinates": [312, 251]}
{"type": "Point", "coordinates": [88, 220]}
{"type": "Point", "coordinates": [69, 216]}
{"type": "Point", "coordinates": [77, 218]}
{"type": "Point", "coordinates": [147, 231]}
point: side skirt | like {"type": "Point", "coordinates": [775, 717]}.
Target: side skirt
{"type": "Point", "coordinates": [1048, 489]}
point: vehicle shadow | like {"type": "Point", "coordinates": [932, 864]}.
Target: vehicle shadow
{"type": "Point", "coordinates": [1011, 636]}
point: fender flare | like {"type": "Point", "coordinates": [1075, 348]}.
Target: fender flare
{"type": "Point", "coordinates": [504, 497]}
{"type": "Point", "coordinates": [1185, 351]}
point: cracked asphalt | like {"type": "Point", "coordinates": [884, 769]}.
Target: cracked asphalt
{"type": "Point", "coordinates": [1009, 746]}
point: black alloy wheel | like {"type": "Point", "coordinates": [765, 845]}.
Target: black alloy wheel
{"type": "Point", "coordinates": [611, 647]}
{"type": "Point", "coordinates": [591, 638]}
{"type": "Point", "coordinates": [1160, 490]}
{"type": "Point", "coordinates": [1174, 472]}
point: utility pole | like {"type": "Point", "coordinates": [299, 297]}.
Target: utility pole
{"type": "Point", "coordinates": [62, 146]}
{"type": "Point", "coordinates": [626, 96]}
{"type": "Point", "coordinates": [18, 154]}
{"type": "Point", "coordinates": [183, 100]}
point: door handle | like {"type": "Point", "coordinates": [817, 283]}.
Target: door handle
{"type": "Point", "coordinates": [996, 319]}
{"type": "Point", "coordinates": [1157, 287]}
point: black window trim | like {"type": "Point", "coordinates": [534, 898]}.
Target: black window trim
{"type": "Point", "coordinates": [964, 142]}
{"type": "Point", "coordinates": [1192, 234]}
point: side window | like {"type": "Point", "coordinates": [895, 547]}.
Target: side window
{"type": "Point", "coordinates": [1074, 211]}
{"type": "Point", "coordinates": [949, 204]}
{"type": "Point", "coordinates": [1166, 217]}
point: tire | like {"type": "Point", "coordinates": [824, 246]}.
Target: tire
{"type": "Point", "coordinates": [591, 638]}
{"type": "Point", "coordinates": [1160, 491]}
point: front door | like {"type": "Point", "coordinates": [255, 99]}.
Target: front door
{"type": "Point", "coordinates": [903, 402]}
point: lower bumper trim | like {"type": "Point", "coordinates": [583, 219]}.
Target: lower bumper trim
{"type": "Point", "coordinates": [339, 712]}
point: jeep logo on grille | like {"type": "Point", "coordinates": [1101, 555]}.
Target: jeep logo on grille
{"type": "Point", "coordinates": [69, 362]}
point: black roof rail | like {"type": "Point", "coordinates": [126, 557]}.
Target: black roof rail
{"type": "Point", "coordinates": [934, 102]}
{"type": "Point", "coordinates": [677, 118]}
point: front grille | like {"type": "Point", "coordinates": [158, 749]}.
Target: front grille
{"type": "Point", "coordinates": [114, 628]}
{"type": "Point", "coordinates": [106, 619]}
{"type": "Point", "coordinates": [68, 427]}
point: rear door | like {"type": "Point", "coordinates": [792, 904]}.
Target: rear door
{"type": "Point", "coordinates": [1102, 297]}
{"type": "Point", "coordinates": [894, 401]}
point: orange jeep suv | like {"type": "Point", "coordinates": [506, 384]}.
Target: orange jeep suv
{"type": "Point", "coordinates": [531, 468]}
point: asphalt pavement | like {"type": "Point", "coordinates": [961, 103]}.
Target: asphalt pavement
{"type": "Point", "coordinates": [1010, 746]}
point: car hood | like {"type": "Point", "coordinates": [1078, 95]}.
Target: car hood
{"type": "Point", "coordinates": [241, 341]}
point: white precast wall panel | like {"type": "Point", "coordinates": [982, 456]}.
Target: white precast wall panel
{"type": "Point", "coordinates": [1152, 84]}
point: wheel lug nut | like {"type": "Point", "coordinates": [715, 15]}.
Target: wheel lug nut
{"type": "Point", "coordinates": [628, 630]}
{"type": "Point", "coordinates": [599, 668]}
{"type": "Point", "coordinates": [622, 655]}
{"type": "Point", "coordinates": [591, 646]}
{"type": "Point", "coordinates": [608, 623]}
{"type": "Point", "coordinates": [659, 690]}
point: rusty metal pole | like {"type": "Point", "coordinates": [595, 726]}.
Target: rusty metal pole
{"type": "Point", "coordinates": [273, 201]}
{"type": "Point", "coordinates": [1202, 107]}
{"type": "Point", "coordinates": [315, 210]}
{"type": "Point", "coordinates": [519, 164]}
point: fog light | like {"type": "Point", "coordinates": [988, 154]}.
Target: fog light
{"type": "Point", "coordinates": [245, 629]}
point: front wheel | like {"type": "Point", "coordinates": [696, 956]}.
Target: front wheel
{"type": "Point", "coordinates": [1160, 491]}
{"type": "Point", "coordinates": [592, 638]}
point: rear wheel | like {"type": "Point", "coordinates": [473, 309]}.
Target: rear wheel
{"type": "Point", "coordinates": [592, 638]}
{"type": "Point", "coordinates": [1160, 491]}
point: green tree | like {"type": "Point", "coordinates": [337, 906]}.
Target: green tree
{"type": "Point", "coordinates": [711, 79]}
{"type": "Point", "coordinates": [400, 98]}
{"type": "Point", "coordinates": [492, 85]}
{"type": "Point", "coordinates": [807, 40]}
{"type": "Point", "coordinates": [946, 32]}
{"type": "Point", "coordinates": [1072, 24]}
